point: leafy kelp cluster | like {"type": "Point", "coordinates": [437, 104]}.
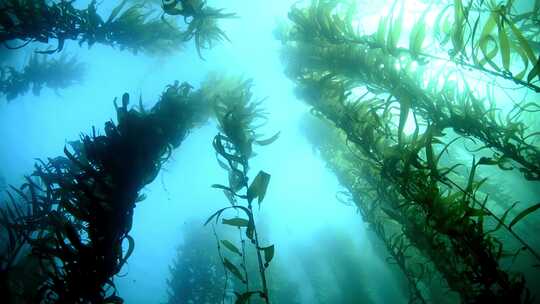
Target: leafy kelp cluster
{"type": "Point", "coordinates": [431, 212]}
{"type": "Point", "coordinates": [128, 27]}
{"type": "Point", "coordinates": [41, 71]}
{"type": "Point", "coordinates": [237, 115]}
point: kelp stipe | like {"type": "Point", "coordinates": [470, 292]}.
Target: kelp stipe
{"type": "Point", "coordinates": [368, 87]}
{"type": "Point", "coordinates": [237, 116]}
{"type": "Point", "coordinates": [41, 71]}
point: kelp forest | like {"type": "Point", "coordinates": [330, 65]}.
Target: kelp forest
{"type": "Point", "coordinates": [312, 151]}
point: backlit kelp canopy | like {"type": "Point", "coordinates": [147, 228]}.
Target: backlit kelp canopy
{"type": "Point", "coordinates": [67, 228]}
{"type": "Point", "coordinates": [399, 96]}
{"type": "Point", "coordinates": [135, 27]}
{"type": "Point", "coordinates": [40, 71]}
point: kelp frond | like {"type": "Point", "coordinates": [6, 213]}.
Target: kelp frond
{"type": "Point", "coordinates": [370, 88]}
{"type": "Point", "coordinates": [41, 71]}
{"type": "Point", "coordinates": [238, 114]}
{"type": "Point", "coordinates": [127, 27]}
{"type": "Point", "coordinates": [202, 22]}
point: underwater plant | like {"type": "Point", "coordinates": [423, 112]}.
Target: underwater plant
{"type": "Point", "coordinates": [40, 71]}
{"type": "Point", "coordinates": [127, 27]}
{"type": "Point", "coordinates": [201, 20]}
{"type": "Point", "coordinates": [194, 273]}
{"type": "Point", "coordinates": [86, 199]}
{"type": "Point", "coordinates": [237, 115]}
{"type": "Point", "coordinates": [433, 217]}
{"type": "Point", "coordinates": [341, 52]}
{"type": "Point", "coordinates": [20, 270]}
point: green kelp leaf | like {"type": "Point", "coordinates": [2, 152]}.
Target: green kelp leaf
{"type": "Point", "coordinates": [524, 59]}
{"type": "Point", "coordinates": [268, 141]}
{"type": "Point", "coordinates": [218, 186]}
{"type": "Point", "coordinates": [258, 187]}
{"type": "Point", "coordinates": [244, 297]}
{"type": "Point", "coordinates": [504, 46]}
{"type": "Point", "coordinates": [534, 72]}
{"type": "Point", "coordinates": [523, 43]}
{"type": "Point", "coordinates": [231, 247]}
{"type": "Point", "coordinates": [236, 221]}
{"type": "Point", "coordinates": [503, 218]}
{"type": "Point", "coordinates": [233, 269]}
{"type": "Point", "coordinates": [216, 215]}
{"type": "Point", "coordinates": [131, 247]}
{"type": "Point", "coordinates": [229, 192]}
{"type": "Point", "coordinates": [523, 214]}
{"type": "Point", "coordinates": [457, 31]}
{"type": "Point", "coordinates": [439, 26]}
{"type": "Point", "coordinates": [268, 254]}
{"type": "Point", "coordinates": [470, 182]}
{"type": "Point", "coordinates": [394, 30]}
{"type": "Point", "coordinates": [489, 54]}
{"type": "Point", "coordinates": [381, 31]}
{"type": "Point", "coordinates": [404, 107]}
{"type": "Point", "coordinates": [418, 34]}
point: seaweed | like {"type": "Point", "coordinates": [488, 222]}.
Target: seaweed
{"type": "Point", "coordinates": [201, 20]}
{"type": "Point", "coordinates": [368, 87]}
{"type": "Point", "coordinates": [193, 274]}
{"type": "Point", "coordinates": [86, 198]}
{"type": "Point", "coordinates": [354, 59]}
{"type": "Point", "coordinates": [40, 72]}
{"type": "Point", "coordinates": [237, 115]}
{"type": "Point", "coordinates": [128, 27]}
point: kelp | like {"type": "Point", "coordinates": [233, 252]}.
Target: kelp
{"type": "Point", "coordinates": [326, 45]}
{"type": "Point", "coordinates": [20, 270]}
{"type": "Point", "coordinates": [202, 21]}
{"type": "Point", "coordinates": [485, 35]}
{"type": "Point", "coordinates": [40, 71]}
{"type": "Point", "coordinates": [368, 88]}
{"type": "Point", "coordinates": [80, 236]}
{"type": "Point", "coordinates": [439, 220]}
{"type": "Point", "coordinates": [237, 115]}
{"type": "Point", "coordinates": [370, 194]}
{"type": "Point", "coordinates": [128, 27]}
{"type": "Point", "coordinates": [193, 275]}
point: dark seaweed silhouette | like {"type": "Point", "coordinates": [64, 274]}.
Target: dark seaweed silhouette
{"type": "Point", "coordinates": [194, 273]}
{"type": "Point", "coordinates": [201, 20]}
{"type": "Point", "coordinates": [40, 72]}
{"type": "Point", "coordinates": [126, 27]}
{"type": "Point", "coordinates": [75, 212]}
